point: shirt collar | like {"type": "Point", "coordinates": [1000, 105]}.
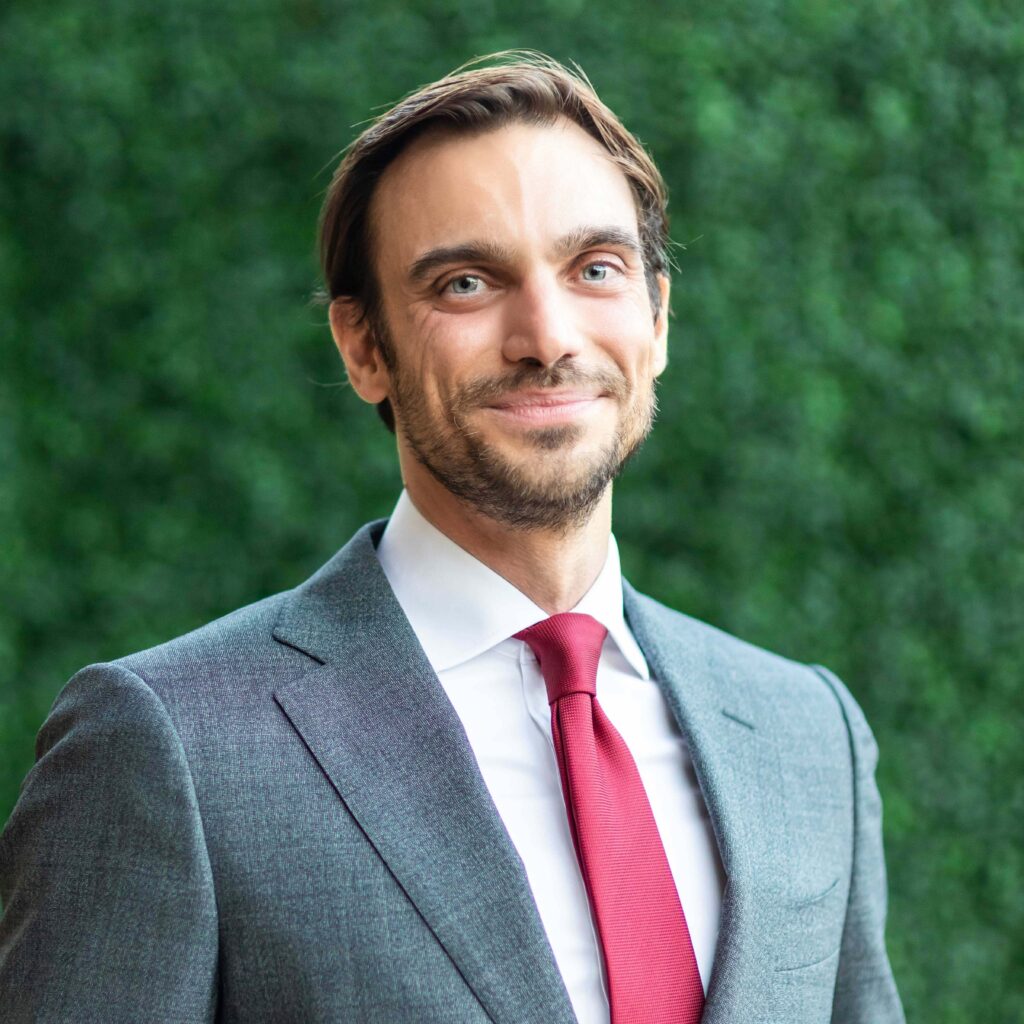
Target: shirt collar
{"type": "Point", "coordinates": [459, 608]}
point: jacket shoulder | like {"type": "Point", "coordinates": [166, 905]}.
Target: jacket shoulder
{"type": "Point", "coordinates": [241, 636]}
{"type": "Point", "coordinates": [663, 624]}
{"type": "Point", "coordinates": [764, 677]}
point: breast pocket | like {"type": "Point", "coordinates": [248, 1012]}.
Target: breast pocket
{"type": "Point", "coordinates": [810, 927]}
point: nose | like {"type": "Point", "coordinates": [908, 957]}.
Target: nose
{"type": "Point", "coordinates": [540, 327]}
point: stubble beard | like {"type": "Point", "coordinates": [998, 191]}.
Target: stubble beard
{"type": "Point", "coordinates": [560, 498]}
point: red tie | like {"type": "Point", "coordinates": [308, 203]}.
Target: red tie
{"type": "Point", "coordinates": [649, 962]}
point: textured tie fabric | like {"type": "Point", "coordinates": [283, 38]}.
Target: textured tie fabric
{"type": "Point", "coordinates": [649, 962]}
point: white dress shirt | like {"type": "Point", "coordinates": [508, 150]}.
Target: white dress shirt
{"type": "Point", "coordinates": [464, 616]}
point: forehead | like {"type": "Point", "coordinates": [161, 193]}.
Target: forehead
{"type": "Point", "coordinates": [523, 185]}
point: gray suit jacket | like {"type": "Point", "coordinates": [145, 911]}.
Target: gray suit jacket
{"type": "Point", "coordinates": [278, 818]}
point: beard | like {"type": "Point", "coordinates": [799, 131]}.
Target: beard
{"type": "Point", "coordinates": [551, 486]}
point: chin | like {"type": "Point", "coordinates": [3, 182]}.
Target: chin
{"type": "Point", "coordinates": [559, 469]}
{"type": "Point", "coordinates": [565, 439]}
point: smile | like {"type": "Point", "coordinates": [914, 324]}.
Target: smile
{"type": "Point", "coordinates": [545, 407]}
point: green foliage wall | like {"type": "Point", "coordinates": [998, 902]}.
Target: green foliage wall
{"type": "Point", "coordinates": [836, 473]}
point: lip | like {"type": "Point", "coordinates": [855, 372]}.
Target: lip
{"type": "Point", "coordinates": [545, 406]}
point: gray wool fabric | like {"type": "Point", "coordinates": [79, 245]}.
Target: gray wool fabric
{"type": "Point", "coordinates": [278, 818]}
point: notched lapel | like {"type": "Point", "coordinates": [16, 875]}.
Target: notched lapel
{"type": "Point", "coordinates": [735, 763]}
{"type": "Point", "coordinates": [375, 716]}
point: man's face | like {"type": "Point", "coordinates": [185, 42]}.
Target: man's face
{"type": "Point", "coordinates": [522, 344]}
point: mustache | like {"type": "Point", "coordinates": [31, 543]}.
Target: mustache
{"type": "Point", "coordinates": [485, 390]}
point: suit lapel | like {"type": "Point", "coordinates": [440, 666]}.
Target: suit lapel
{"type": "Point", "coordinates": [729, 742]}
{"type": "Point", "coordinates": [375, 716]}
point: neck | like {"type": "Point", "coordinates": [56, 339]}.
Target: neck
{"type": "Point", "coordinates": [553, 568]}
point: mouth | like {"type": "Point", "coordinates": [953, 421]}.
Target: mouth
{"type": "Point", "coordinates": [548, 407]}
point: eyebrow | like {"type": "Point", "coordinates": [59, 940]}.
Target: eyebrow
{"type": "Point", "coordinates": [593, 238]}
{"type": "Point", "coordinates": [494, 252]}
{"type": "Point", "coordinates": [466, 252]}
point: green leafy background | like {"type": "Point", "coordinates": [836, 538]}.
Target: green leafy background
{"type": "Point", "coordinates": [836, 473]}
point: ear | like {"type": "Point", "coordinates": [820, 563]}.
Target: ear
{"type": "Point", "coordinates": [358, 350]}
{"type": "Point", "coordinates": [661, 326]}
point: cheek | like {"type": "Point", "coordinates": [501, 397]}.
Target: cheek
{"type": "Point", "coordinates": [441, 354]}
{"type": "Point", "coordinates": [625, 332]}
{"type": "Point", "coordinates": [459, 347]}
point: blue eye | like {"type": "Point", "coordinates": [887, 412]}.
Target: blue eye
{"type": "Point", "coordinates": [596, 272]}
{"type": "Point", "coordinates": [468, 284]}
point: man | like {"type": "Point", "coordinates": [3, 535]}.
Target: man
{"type": "Point", "coordinates": [465, 772]}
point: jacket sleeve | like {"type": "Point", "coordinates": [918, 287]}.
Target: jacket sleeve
{"type": "Point", "coordinates": [865, 991]}
{"type": "Point", "coordinates": [108, 900]}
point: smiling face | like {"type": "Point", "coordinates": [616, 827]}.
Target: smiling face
{"type": "Point", "coordinates": [521, 344]}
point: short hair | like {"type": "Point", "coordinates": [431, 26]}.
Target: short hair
{"type": "Point", "coordinates": [485, 94]}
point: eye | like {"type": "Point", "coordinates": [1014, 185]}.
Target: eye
{"type": "Point", "coordinates": [465, 284]}
{"type": "Point", "coordinates": [597, 272]}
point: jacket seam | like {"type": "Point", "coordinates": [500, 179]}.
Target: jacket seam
{"type": "Point", "coordinates": [188, 768]}
{"type": "Point", "coordinates": [824, 675]}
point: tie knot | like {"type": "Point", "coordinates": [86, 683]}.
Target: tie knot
{"type": "Point", "coordinates": [568, 647]}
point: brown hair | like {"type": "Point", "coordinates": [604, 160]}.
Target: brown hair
{"type": "Point", "coordinates": [484, 94]}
